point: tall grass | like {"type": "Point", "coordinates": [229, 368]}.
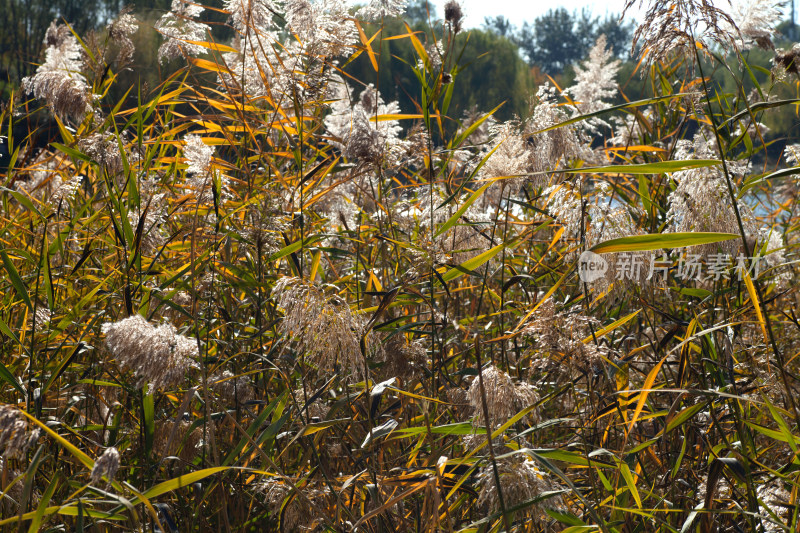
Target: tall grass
{"type": "Point", "coordinates": [265, 299]}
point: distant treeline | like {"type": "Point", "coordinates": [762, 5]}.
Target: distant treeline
{"type": "Point", "coordinates": [499, 63]}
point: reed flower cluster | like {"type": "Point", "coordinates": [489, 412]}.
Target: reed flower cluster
{"type": "Point", "coordinates": [16, 436]}
{"type": "Point", "coordinates": [504, 397]}
{"type": "Point", "coordinates": [59, 80]}
{"type": "Point", "coordinates": [322, 327]}
{"type": "Point", "coordinates": [179, 27]}
{"type": "Point", "coordinates": [157, 355]}
{"type": "Point", "coordinates": [106, 466]}
{"type": "Point", "coordinates": [565, 338]}
{"type": "Point", "coordinates": [520, 481]}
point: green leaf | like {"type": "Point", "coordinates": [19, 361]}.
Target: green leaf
{"type": "Point", "coordinates": [749, 184]}
{"type": "Point", "coordinates": [66, 510]}
{"type": "Point", "coordinates": [642, 168]}
{"type": "Point", "coordinates": [450, 222]}
{"type": "Point", "coordinates": [757, 107]}
{"type": "Point", "coordinates": [42, 508]}
{"type": "Point", "coordinates": [626, 474]}
{"type": "Point", "coordinates": [180, 482]}
{"type": "Point", "coordinates": [72, 152]}
{"type": "Point", "coordinates": [689, 291]}
{"type": "Point", "coordinates": [7, 376]}
{"type": "Point", "coordinates": [24, 200]}
{"type": "Point", "coordinates": [292, 248]}
{"type": "Point", "coordinates": [16, 281]}
{"type": "Point", "coordinates": [628, 105]}
{"type": "Point", "coordinates": [474, 126]}
{"type": "Point", "coordinates": [684, 415]}
{"type": "Point", "coordinates": [475, 262]}
{"type": "Point", "coordinates": [656, 241]}
{"type": "Point", "coordinates": [71, 448]}
{"type": "Point", "coordinates": [644, 192]}
{"type": "Point", "coordinates": [568, 457]}
{"type": "Point", "coordinates": [774, 434]}
{"type": "Point", "coordinates": [557, 472]}
{"type": "Point", "coordinates": [570, 520]}
{"type": "Point", "coordinates": [251, 431]}
{"type": "Point", "coordinates": [458, 428]}
{"type": "Point", "coordinates": [787, 433]}
{"type": "Point", "coordinates": [148, 408]}
{"type": "Point", "coordinates": [7, 331]}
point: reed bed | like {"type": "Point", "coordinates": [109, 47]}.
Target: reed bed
{"type": "Point", "coordinates": [263, 298]}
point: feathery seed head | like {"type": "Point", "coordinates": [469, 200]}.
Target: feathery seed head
{"type": "Point", "coordinates": [791, 154]}
{"type": "Point", "coordinates": [323, 28]}
{"type": "Point", "coordinates": [15, 435]}
{"type": "Point", "coordinates": [298, 514]}
{"type": "Point", "coordinates": [186, 441]}
{"type": "Point", "coordinates": [157, 355]}
{"type": "Point", "coordinates": [786, 62]}
{"type": "Point", "coordinates": [379, 9]}
{"type": "Point", "coordinates": [701, 202]}
{"type": "Point", "coordinates": [357, 132]}
{"type": "Point", "coordinates": [198, 154]}
{"type": "Point", "coordinates": [595, 82]}
{"type": "Point", "coordinates": [677, 25]}
{"type": "Point", "coordinates": [504, 398]}
{"type": "Point", "coordinates": [232, 389]}
{"type": "Point", "coordinates": [120, 30]}
{"type": "Point", "coordinates": [554, 148]}
{"type": "Point", "coordinates": [104, 149]}
{"type": "Point", "coordinates": [559, 338]}
{"type": "Point", "coordinates": [453, 15]}
{"type": "Point", "coordinates": [59, 80]}
{"type": "Point", "coordinates": [756, 21]}
{"type": "Point", "coordinates": [521, 481]}
{"type": "Point", "coordinates": [321, 326]}
{"type": "Point", "coordinates": [178, 26]}
{"type": "Point", "coordinates": [41, 318]}
{"type": "Point", "coordinates": [251, 15]}
{"type": "Point", "coordinates": [106, 466]}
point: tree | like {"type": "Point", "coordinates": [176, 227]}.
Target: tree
{"type": "Point", "coordinates": [557, 39]}
{"type": "Point", "coordinates": [27, 20]}
{"type": "Point", "coordinates": [491, 71]}
{"type": "Point", "coordinates": [418, 10]}
{"type": "Point", "coordinates": [619, 35]}
{"type": "Point", "coordinates": [499, 25]}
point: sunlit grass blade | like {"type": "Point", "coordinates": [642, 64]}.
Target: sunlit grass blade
{"type": "Point", "coordinates": [657, 241]}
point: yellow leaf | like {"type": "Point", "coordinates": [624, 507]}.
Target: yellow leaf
{"type": "Point", "coordinates": [367, 45]}
{"type": "Point", "coordinates": [751, 289]}
{"type": "Point", "coordinates": [611, 327]}
{"type": "Point", "coordinates": [213, 46]}
{"type": "Point", "coordinates": [648, 384]}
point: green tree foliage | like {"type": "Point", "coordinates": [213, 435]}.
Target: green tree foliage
{"type": "Point", "coordinates": [27, 20]}
{"type": "Point", "coordinates": [493, 73]}
{"type": "Point", "coordinates": [559, 39]}
{"type": "Point", "coordinates": [492, 70]}
{"type": "Point", "coordinates": [499, 25]}
{"type": "Point", "coordinates": [418, 12]}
